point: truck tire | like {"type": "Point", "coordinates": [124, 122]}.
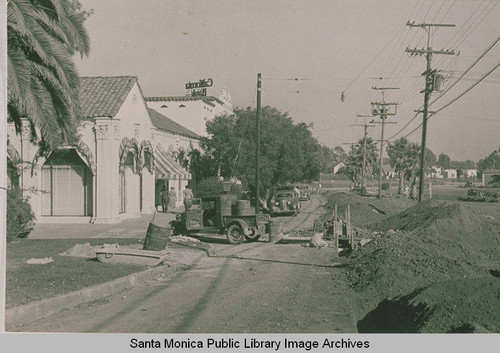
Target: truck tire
{"type": "Point", "coordinates": [178, 228]}
{"type": "Point", "coordinates": [252, 237]}
{"type": "Point", "coordinates": [235, 234]}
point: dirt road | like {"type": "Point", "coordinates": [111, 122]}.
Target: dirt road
{"type": "Point", "coordinates": [249, 288]}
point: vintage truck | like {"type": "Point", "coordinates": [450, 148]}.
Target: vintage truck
{"type": "Point", "coordinates": [222, 214]}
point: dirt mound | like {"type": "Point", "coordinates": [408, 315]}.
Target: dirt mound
{"type": "Point", "coordinates": [80, 250]}
{"type": "Point", "coordinates": [395, 263]}
{"type": "Point", "coordinates": [437, 216]}
{"type": "Point", "coordinates": [459, 306]}
{"type": "Point", "coordinates": [440, 246]}
{"type": "Point", "coordinates": [366, 210]}
{"type": "Point", "coordinates": [452, 229]}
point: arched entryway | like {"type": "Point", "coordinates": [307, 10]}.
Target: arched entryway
{"type": "Point", "coordinates": [66, 185]}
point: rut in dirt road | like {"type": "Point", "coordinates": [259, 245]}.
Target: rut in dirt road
{"type": "Point", "coordinates": [279, 288]}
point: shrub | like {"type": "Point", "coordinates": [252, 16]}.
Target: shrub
{"type": "Point", "coordinates": [386, 186]}
{"type": "Point", "coordinates": [491, 193]}
{"type": "Point", "coordinates": [20, 217]}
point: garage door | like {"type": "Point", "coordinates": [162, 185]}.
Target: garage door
{"type": "Point", "coordinates": [65, 190]}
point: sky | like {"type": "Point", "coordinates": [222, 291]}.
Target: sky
{"type": "Point", "coordinates": [308, 53]}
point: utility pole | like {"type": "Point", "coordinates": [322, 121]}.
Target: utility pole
{"type": "Point", "coordinates": [257, 149]}
{"type": "Point", "coordinates": [365, 134]}
{"type": "Point", "coordinates": [429, 87]}
{"type": "Point", "coordinates": [381, 108]}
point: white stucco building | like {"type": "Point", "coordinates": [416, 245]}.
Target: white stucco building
{"type": "Point", "coordinates": [470, 173]}
{"type": "Point", "coordinates": [123, 156]}
{"type": "Point", "coordinates": [338, 167]}
{"type": "Point", "coordinates": [435, 172]}
{"type": "Point", "coordinates": [192, 112]}
{"type": "Point", "coordinates": [451, 173]}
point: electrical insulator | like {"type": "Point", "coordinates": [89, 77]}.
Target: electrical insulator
{"type": "Point", "coordinates": [342, 97]}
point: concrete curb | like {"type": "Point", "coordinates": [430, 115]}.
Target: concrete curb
{"type": "Point", "coordinates": [40, 309]}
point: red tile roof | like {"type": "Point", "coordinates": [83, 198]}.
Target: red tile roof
{"type": "Point", "coordinates": [161, 122]}
{"type": "Point", "coordinates": [103, 96]}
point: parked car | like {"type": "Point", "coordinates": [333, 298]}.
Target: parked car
{"type": "Point", "coordinates": [285, 202]}
{"type": "Point", "coordinates": [305, 192]}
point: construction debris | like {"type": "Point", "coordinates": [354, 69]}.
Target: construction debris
{"type": "Point", "coordinates": [43, 261]}
{"type": "Point", "coordinates": [80, 250]}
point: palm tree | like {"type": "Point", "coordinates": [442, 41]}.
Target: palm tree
{"type": "Point", "coordinates": [354, 161]}
{"type": "Point", "coordinates": [398, 157]}
{"type": "Point", "coordinates": [43, 82]}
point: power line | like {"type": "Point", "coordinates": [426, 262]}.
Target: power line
{"type": "Point", "coordinates": [455, 99]}
{"type": "Point", "coordinates": [465, 72]}
{"type": "Point", "coordinates": [371, 61]}
{"type": "Point", "coordinates": [469, 118]}
{"type": "Point", "coordinates": [466, 31]}
{"type": "Point", "coordinates": [468, 69]}
{"type": "Point", "coordinates": [467, 90]}
{"type": "Point", "coordinates": [413, 86]}
{"type": "Point", "coordinates": [486, 12]}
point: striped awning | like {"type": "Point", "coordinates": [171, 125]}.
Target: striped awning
{"type": "Point", "coordinates": [167, 168]}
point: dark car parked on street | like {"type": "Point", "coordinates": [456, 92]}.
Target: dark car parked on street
{"type": "Point", "coordinates": [285, 202]}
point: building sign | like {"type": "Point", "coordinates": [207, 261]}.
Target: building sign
{"type": "Point", "coordinates": [199, 88]}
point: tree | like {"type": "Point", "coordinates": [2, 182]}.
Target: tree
{"type": "Point", "coordinates": [354, 161]}
{"type": "Point", "coordinates": [43, 82]}
{"type": "Point", "coordinates": [289, 152]}
{"type": "Point", "coordinates": [412, 173]}
{"type": "Point", "coordinates": [492, 161]}
{"type": "Point", "coordinates": [444, 161]}
{"type": "Point", "coordinates": [399, 157]}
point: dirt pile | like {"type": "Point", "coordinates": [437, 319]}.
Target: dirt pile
{"type": "Point", "coordinates": [422, 264]}
{"type": "Point", "coordinates": [366, 210]}
{"type": "Point", "coordinates": [444, 217]}
{"type": "Point", "coordinates": [458, 306]}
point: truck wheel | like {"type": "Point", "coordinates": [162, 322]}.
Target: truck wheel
{"type": "Point", "coordinates": [252, 237]}
{"type": "Point", "coordinates": [235, 234]}
{"type": "Point", "coordinates": [178, 228]}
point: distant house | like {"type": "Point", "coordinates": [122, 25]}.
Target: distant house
{"type": "Point", "coordinates": [470, 173]}
{"type": "Point", "coordinates": [338, 167]}
{"type": "Point", "coordinates": [451, 173]}
{"type": "Point", "coordinates": [488, 174]}
{"type": "Point", "coordinates": [435, 173]}
{"type": "Point", "coordinates": [389, 171]}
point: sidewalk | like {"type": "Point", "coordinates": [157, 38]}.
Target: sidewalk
{"type": "Point", "coordinates": [129, 228]}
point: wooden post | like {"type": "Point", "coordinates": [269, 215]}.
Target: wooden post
{"type": "Point", "coordinates": [348, 224]}
{"type": "Point", "coordinates": [335, 228]}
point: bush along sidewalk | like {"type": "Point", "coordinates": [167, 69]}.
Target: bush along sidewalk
{"type": "Point", "coordinates": [20, 217]}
